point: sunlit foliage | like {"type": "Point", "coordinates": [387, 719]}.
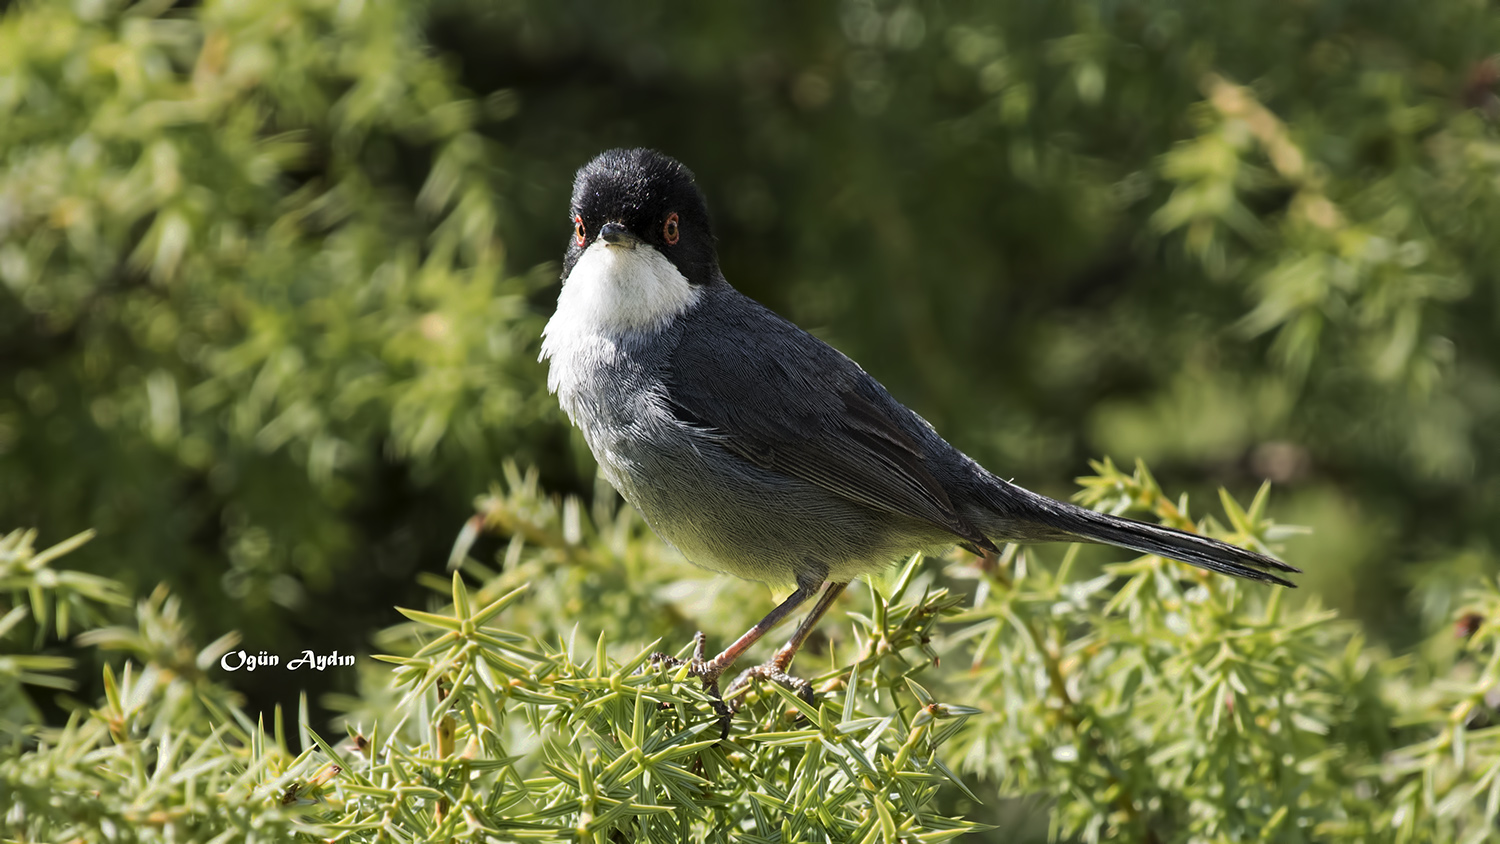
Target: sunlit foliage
{"type": "Point", "coordinates": [1150, 703]}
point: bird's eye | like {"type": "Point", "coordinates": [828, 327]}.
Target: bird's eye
{"type": "Point", "coordinates": [578, 231]}
{"type": "Point", "coordinates": [669, 228]}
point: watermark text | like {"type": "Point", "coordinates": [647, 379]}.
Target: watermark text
{"type": "Point", "coordinates": [243, 660]}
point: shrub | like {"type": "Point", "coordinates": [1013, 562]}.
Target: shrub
{"type": "Point", "coordinates": [1144, 701]}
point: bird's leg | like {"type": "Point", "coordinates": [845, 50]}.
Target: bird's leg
{"type": "Point", "coordinates": [775, 668]}
{"type": "Point", "coordinates": [711, 670]}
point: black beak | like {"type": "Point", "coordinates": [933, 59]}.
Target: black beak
{"type": "Point", "coordinates": [615, 234]}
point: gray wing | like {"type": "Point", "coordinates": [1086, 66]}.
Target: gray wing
{"type": "Point", "coordinates": [787, 402]}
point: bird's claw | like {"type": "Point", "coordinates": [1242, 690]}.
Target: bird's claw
{"type": "Point", "coordinates": [771, 670]}
{"type": "Point", "coordinates": [706, 670]}
{"type": "Point", "coordinates": [698, 661]}
{"type": "Point", "coordinates": [710, 670]}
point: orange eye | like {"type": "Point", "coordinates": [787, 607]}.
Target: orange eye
{"type": "Point", "coordinates": [669, 229]}
{"type": "Point", "coordinates": [578, 231]}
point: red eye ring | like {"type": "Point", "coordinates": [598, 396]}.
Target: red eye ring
{"type": "Point", "coordinates": [669, 229]}
{"type": "Point", "coordinates": [578, 231]}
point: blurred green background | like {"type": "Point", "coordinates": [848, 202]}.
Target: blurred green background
{"type": "Point", "coordinates": [272, 272]}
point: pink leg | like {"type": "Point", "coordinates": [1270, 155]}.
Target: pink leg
{"type": "Point", "coordinates": [776, 667]}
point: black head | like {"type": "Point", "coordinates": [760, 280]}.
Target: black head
{"type": "Point", "coordinates": [643, 195]}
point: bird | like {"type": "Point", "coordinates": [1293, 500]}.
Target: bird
{"type": "Point", "coordinates": [753, 447]}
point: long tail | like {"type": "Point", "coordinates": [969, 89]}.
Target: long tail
{"type": "Point", "coordinates": [1022, 505]}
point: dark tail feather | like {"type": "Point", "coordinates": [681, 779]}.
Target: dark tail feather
{"type": "Point", "coordinates": [1178, 545]}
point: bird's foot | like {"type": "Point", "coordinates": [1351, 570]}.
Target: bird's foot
{"type": "Point", "coordinates": [775, 671]}
{"type": "Point", "coordinates": [707, 670]}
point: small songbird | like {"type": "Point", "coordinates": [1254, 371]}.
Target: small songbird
{"type": "Point", "coordinates": [757, 449]}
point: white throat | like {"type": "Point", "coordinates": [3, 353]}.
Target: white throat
{"type": "Point", "coordinates": [613, 290]}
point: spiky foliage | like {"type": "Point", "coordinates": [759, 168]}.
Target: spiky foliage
{"type": "Point", "coordinates": [1141, 701]}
